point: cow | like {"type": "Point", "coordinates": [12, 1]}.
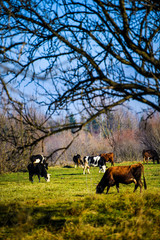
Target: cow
{"type": "Point", "coordinates": [150, 154]}
{"type": "Point", "coordinates": [39, 159]}
{"type": "Point", "coordinates": [122, 174]}
{"type": "Point", "coordinates": [96, 161]}
{"type": "Point", "coordinates": [77, 160]}
{"type": "Point", "coordinates": [108, 157]}
{"type": "Point", "coordinates": [37, 169]}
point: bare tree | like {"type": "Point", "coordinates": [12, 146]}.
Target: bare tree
{"type": "Point", "coordinates": [85, 57]}
{"type": "Point", "coordinates": [149, 133]}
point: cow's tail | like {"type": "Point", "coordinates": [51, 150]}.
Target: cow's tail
{"type": "Point", "coordinates": [144, 180]}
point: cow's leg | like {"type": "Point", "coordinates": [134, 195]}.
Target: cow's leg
{"type": "Point", "coordinates": [39, 177]}
{"type": "Point", "coordinates": [84, 169]}
{"type": "Point", "coordinates": [140, 184]}
{"type": "Point", "coordinates": [30, 178]}
{"type": "Point", "coordinates": [143, 160]}
{"type": "Point", "coordinates": [136, 186]}
{"type": "Point", "coordinates": [117, 186]}
{"type": "Point", "coordinates": [147, 160]}
{"type": "Point", "coordinates": [112, 164]}
{"type": "Point", "coordinates": [103, 168]}
{"type": "Point", "coordinates": [108, 189]}
{"type": "Point", "coordinates": [110, 183]}
{"type": "Point", "coordinates": [100, 169]}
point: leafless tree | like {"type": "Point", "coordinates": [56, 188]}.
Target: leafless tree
{"type": "Point", "coordinates": [149, 133]}
{"type": "Point", "coordinates": [83, 56]}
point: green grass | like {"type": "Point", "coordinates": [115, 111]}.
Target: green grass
{"type": "Point", "coordinates": [69, 208]}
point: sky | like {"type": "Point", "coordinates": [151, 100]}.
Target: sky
{"type": "Point", "coordinates": [31, 89]}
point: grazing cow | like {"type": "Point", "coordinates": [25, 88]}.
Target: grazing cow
{"type": "Point", "coordinates": [37, 169]}
{"type": "Point", "coordinates": [150, 154]}
{"type": "Point", "coordinates": [108, 157]}
{"type": "Point", "coordinates": [39, 159]}
{"type": "Point", "coordinates": [94, 162]}
{"type": "Point", "coordinates": [77, 160]}
{"type": "Point", "coordinates": [122, 174]}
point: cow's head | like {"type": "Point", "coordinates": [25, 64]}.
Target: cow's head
{"type": "Point", "coordinates": [79, 160]}
{"type": "Point", "coordinates": [99, 188]}
{"type": "Point", "coordinates": [48, 177]}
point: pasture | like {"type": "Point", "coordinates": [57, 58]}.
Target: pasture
{"type": "Point", "coordinates": [68, 207]}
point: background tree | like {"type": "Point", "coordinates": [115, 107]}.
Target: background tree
{"type": "Point", "coordinates": [89, 56]}
{"type": "Point", "coordinates": [149, 133]}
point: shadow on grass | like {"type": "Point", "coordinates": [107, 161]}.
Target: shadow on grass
{"type": "Point", "coordinates": [70, 174]}
{"type": "Point", "coordinates": [68, 166]}
{"type": "Point", "coordinates": [93, 213]}
{"type": "Point", "coordinates": [13, 215]}
{"type": "Point", "coordinates": [51, 224]}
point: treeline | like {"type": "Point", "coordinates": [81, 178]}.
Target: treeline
{"type": "Point", "coordinates": [118, 131]}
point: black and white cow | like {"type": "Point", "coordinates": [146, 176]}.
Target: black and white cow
{"type": "Point", "coordinates": [38, 167]}
{"type": "Point", "coordinates": [94, 161]}
{"type": "Point", "coordinates": [39, 170]}
{"type": "Point", "coordinates": [39, 159]}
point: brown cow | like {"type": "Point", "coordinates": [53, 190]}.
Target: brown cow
{"type": "Point", "coordinates": [108, 157]}
{"type": "Point", "coordinates": [150, 154]}
{"type": "Point", "coordinates": [122, 174]}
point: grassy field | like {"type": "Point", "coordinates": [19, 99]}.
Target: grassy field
{"type": "Point", "coordinates": [68, 207]}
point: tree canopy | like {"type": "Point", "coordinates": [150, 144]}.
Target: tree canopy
{"type": "Point", "coordinates": [84, 56]}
